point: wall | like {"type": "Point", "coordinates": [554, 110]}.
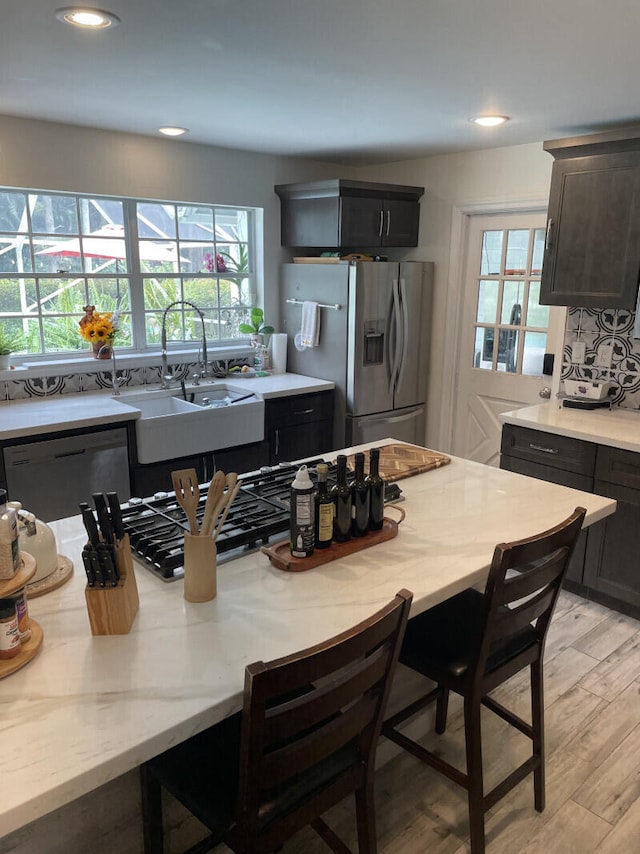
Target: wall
{"type": "Point", "coordinates": [477, 180]}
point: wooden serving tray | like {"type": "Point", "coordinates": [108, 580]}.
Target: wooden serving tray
{"type": "Point", "coordinates": [28, 650]}
{"type": "Point", "coordinates": [398, 461]}
{"type": "Point", "coordinates": [280, 555]}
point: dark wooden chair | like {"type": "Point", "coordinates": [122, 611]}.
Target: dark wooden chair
{"type": "Point", "coordinates": [305, 739]}
{"type": "Point", "coordinates": [474, 642]}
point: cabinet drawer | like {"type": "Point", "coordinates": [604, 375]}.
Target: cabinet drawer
{"type": "Point", "coordinates": [548, 473]}
{"type": "Point", "coordinates": [299, 409]}
{"type": "Point", "coordinates": [549, 449]}
{"type": "Point", "coordinates": [616, 466]}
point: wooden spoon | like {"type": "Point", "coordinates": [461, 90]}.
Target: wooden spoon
{"type": "Point", "coordinates": [230, 482]}
{"type": "Point", "coordinates": [211, 510]}
{"type": "Point", "coordinates": [231, 494]}
{"type": "Point", "coordinates": [185, 485]}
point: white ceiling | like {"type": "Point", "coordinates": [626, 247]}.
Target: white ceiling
{"type": "Point", "coordinates": [352, 81]}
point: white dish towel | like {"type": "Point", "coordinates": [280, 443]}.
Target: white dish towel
{"type": "Point", "coordinates": [310, 330]}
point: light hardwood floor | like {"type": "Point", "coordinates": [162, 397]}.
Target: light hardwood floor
{"type": "Point", "coordinates": [592, 702]}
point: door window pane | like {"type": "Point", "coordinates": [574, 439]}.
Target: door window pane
{"type": "Point", "coordinates": [517, 252]}
{"type": "Point", "coordinates": [487, 302]}
{"type": "Point", "coordinates": [535, 344]}
{"type": "Point", "coordinates": [537, 315]}
{"type": "Point", "coordinates": [491, 259]}
{"type": "Point", "coordinates": [483, 350]}
{"type": "Point", "coordinates": [508, 350]}
{"type": "Point", "coordinates": [538, 252]}
{"type": "Point", "coordinates": [512, 301]}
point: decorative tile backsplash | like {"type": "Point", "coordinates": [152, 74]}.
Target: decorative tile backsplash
{"type": "Point", "coordinates": [75, 383]}
{"type": "Point", "coordinates": [599, 329]}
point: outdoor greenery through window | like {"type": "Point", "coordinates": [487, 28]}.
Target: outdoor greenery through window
{"type": "Point", "coordinates": [60, 252]}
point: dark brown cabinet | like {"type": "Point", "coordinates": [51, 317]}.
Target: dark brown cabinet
{"type": "Point", "coordinates": [299, 427]}
{"type": "Point", "coordinates": [592, 247]}
{"type": "Point", "coordinates": [341, 214]}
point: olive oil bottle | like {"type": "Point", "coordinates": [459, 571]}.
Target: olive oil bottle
{"type": "Point", "coordinates": [360, 500]}
{"type": "Point", "coordinates": [324, 509]}
{"type": "Point", "coordinates": [376, 491]}
{"type": "Point", "coordinates": [341, 495]}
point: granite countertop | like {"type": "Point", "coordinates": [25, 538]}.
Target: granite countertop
{"type": "Point", "coordinates": [617, 427]}
{"type": "Point", "coordinates": [89, 409]}
{"type": "Point", "coordinates": [88, 709]}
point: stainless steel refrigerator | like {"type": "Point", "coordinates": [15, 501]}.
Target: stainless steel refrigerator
{"type": "Point", "coordinates": [375, 320]}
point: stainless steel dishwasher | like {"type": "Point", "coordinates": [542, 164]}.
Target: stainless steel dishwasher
{"type": "Point", "coordinates": [52, 476]}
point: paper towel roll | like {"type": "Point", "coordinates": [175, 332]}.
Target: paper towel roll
{"type": "Point", "coordinates": [279, 353]}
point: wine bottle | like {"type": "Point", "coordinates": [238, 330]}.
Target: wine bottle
{"type": "Point", "coordinates": [341, 495]}
{"type": "Point", "coordinates": [376, 491]}
{"type": "Point", "coordinates": [360, 500]}
{"type": "Point", "coordinates": [324, 509]}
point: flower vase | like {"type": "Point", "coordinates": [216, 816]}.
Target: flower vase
{"type": "Point", "coordinates": [101, 349]}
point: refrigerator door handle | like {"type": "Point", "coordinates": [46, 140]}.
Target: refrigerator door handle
{"type": "Point", "coordinates": [404, 326]}
{"type": "Point", "coordinates": [397, 343]}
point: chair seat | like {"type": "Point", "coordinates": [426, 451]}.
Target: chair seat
{"type": "Point", "coordinates": [442, 642]}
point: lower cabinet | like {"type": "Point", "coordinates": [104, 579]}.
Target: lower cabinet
{"type": "Point", "coordinates": [299, 426]}
{"type": "Point", "coordinates": [606, 563]}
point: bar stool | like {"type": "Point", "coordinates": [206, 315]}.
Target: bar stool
{"type": "Point", "coordinates": [474, 642]}
{"type": "Point", "coordinates": [306, 738]}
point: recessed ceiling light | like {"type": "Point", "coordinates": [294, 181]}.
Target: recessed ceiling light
{"type": "Point", "coordinates": [489, 121]}
{"type": "Point", "coordinates": [84, 16]}
{"type": "Point", "coordinates": [173, 131]}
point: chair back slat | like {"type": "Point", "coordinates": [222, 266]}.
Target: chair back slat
{"type": "Point", "coordinates": [311, 720]}
{"type": "Point", "coordinates": [528, 595]}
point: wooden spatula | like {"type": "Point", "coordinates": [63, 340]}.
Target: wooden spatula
{"type": "Point", "coordinates": [211, 509]}
{"type": "Point", "coordinates": [185, 484]}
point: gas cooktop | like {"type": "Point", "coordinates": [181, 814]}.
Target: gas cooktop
{"type": "Point", "coordinates": [156, 526]}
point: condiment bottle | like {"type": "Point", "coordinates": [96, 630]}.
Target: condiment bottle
{"type": "Point", "coordinates": [9, 634]}
{"type": "Point", "coordinates": [302, 514]}
{"type": "Point", "coordinates": [360, 500]}
{"type": "Point", "coordinates": [22, 613]}
{"type": "Point", "coordinates": [341, 495]}
{"type": "Point", "coordinates": [324, 509]}
{"type": "Point", "coordinates": [376, 491]}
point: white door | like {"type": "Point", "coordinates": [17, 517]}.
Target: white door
{"type": "Point", "coordinates": [504, 331]}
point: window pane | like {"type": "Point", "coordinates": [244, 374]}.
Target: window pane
{"type": "Point", "coordinates": [197, 258]}
{"type": "Point", "coordinates": [17, 295]}
{"type": "Point", "coordinates": [15, 254]}
{"type": "Point", "coordinates": [535, 344]}
{"type": "Point", "coordinates": [537, 315]}
{"type": "Point", "coordinates": [236, 292]}
{"type": "Point", "coordinates": [487, 302]}
{"type": "Point", "coordinates": [106, 294]}
{"type": "Point", "coordinates": [53, 256]}
{"type": "Point", "coordinates": [159, 256]}
{"type": "Point", "coordinates": [491, 253]}
{"type": "Point", "coordinates": [507, 350]}
{"type": "Point", "coordinates": [483, 350]}
{"type": "Point", "coordinates": [98, 214]}
{"type": "Point", "coordinates": [538, 252]}
{"type": "Point", "coordinates": [53, 214]}
{"type": "Point", "coordinates": [512, 300]}
{"type": "Point", "coordinates": [156, 220]}
{"type": "Point", "coordinates": [201, 292]}
{"type": "Point", "coordinates": [228, 321]}
{"type": "Point", "coordinates": [159, 292]}
{"type": "Point", "coordinates": [235, 257]}
{"type": "Point", "coordinates": [13, 212]}
{"type": "Point", "coordinates": [517, 251]}
{"type": "Point", "coordinates": [195, 223]}
{"type": "Point", "coordinates": [62, 296]}
{"type": "Point", "coordinates": [62, 333]}
{"type": "Point", "coordinates": [231, 225]}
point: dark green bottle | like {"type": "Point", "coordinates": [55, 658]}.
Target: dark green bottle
{"type": "Point", "coordinates": [376, 491]}
{"type": "Point", "coordinates": [341, 495]}
{"type": "Point", "coordinates": [360, 500]}
{"type": "Point", "coordinates": [324, 509]}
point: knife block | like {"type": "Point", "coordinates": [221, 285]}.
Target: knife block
{"type": "Point", "coordinates": [112, 610]}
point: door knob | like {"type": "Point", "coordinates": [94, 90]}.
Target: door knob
{"type": "Point", "coordinates": [545, 392]}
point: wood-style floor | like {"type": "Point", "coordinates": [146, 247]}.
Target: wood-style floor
{"type": "Point", "coordinates": [592, 701]}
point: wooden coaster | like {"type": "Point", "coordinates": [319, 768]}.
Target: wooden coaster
{"type": "Point", "coordinates": [61, 574]}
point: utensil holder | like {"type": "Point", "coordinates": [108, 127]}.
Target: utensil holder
{"type": "Point", "coordinates": [112, 610]}
{"type": "Point", "coordinates": [200, 583]}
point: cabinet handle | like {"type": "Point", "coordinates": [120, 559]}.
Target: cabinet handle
{"type": "Point", "coordinates": [381, 223]}
{"type": "Point", "coordinates": [388, 222]}
{"type": "Point", "coordinates": [544, 450]}
{"type": "Point", "coordinates": [277, 450]}
{"type": "Point", "coordinates": [547, 240]}
{"type": "Point", "coordinates": [303, 412]}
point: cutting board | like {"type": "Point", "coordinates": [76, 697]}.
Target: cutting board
{"type": "Point", "coordinates": [398, 461]}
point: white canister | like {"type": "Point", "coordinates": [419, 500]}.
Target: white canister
{"type": "Point", "coordinates": [279, 353]}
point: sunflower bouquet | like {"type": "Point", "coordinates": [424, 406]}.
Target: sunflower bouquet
{"type": "Point", "coordinates": [99, 329]}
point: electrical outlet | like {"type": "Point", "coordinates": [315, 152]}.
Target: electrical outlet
{"type": "Point", "coordinates": [605, 355]}
{"type": "Point", "coordinates": [578, 352]}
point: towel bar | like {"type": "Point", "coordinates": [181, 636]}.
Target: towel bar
{"type": "Point", "coordinates": [336, 306]}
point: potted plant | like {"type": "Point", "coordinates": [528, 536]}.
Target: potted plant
{"type": "Point", "coordinates": [256, 327]}
{"type": "Point", "coordinates": [9, 343]}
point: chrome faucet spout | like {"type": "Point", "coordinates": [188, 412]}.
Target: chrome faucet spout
{"type": "Point", "coordinates": [166, 375]}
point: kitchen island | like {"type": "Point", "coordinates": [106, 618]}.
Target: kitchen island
{"type": "Point", "coordinates": [88, 709]}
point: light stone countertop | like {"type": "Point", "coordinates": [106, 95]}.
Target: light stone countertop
{"type": "Point", "coordinates": [88, 709]}
{"type": "Point", "coordinates": [617, 427]}
{"type": "Point", "coordinates": [89, 409]}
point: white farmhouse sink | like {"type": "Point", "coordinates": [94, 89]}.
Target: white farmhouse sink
{"type": "Point", "coordinates": [170, 427]}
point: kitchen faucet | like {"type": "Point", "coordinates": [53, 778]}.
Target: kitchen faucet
{"type": "Point", "coordinates": [116, 381]}
{"type": "Point", "coordinates": [166, 376]}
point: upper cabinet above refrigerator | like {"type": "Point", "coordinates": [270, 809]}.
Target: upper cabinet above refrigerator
{"type": "Point", "coordinates": [592, 247]}
{"type": "Point", "coordinates": [341, 214]}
